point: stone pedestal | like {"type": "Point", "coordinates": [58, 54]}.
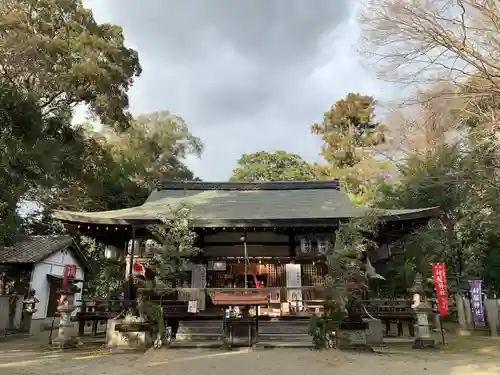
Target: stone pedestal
{"type": "Point", "coordinates": [67, 334]}
{"type": "Point", "coordinates": [423, 338]}
{"type": "Point", "coordinates": [127, 338]}
{"type": "Point", "coordinates": [437, 322]}
{"type": "Point", "coordinates": [468, 312]}
{"type": "Point", "coordinates": [459, 302]}
{"type": "Point", "coordinates": [374, 332]}
{"type": "Point", "coordinates": [491, 307]}
{"type": "Point", "coordinates": [353, 336]}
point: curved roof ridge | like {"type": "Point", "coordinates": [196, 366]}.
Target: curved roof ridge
{"type": "Point", "coordinates": [239, 185]}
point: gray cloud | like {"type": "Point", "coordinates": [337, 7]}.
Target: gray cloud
{"type": "Point", "coordinates": [245, 75]}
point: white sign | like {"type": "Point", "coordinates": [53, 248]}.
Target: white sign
{"type": "Point", "coordinates": [192, 307]}
{"type": "Point", "coordinates": [294, 280]}
{"type": "Point", "coordinates": [199, 281]}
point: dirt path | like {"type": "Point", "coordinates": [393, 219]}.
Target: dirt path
{"type": "Point", "coordinates": [436, 364]}
{"type": "Point", "coordinates": [248, 362]}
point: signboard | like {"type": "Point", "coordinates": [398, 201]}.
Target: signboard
{"type": "Point", "coordinates": [441, 286]}
{"type": "Point", "coordinates": [192, 307]}
{"type": "Point", "coordinates": [199, 281]}
{"type": "Point", "coordinates": [476, 296]}
{"type": "Point", "coordinates": [69, 272]}
{"type": "Point", "coordinates": [294, 280]}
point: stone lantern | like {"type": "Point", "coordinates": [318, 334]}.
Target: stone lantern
{"type": "Point", "coordinates": [67, 335]}
{"type": "Point", "coordinates": [422, 308]}
{"type": "Point", "coordinates": [29, 308]}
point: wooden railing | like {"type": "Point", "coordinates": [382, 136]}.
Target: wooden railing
{"type": "Point", "coordinates": [300, 299]}
{"type": "Point", "coordinates": [96, 313]}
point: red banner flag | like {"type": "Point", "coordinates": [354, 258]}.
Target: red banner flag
{"type": "Point", "coordinates": [441, 285]}
{"type": "Point", "coordinates": [69, 272]}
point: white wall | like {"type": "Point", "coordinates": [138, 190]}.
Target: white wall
{"type": "Point", "coordinates": [53, 265]}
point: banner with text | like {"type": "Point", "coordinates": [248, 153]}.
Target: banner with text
{"type": "Point", "coordinates": [441, 285]}
{"type": "Point", "coordinates": [476, 296]}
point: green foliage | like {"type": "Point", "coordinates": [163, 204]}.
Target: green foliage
{"type": "Point", "coordinates": [463, 185]}
{"type": "Point", "coordinates": [107, 281]}
{"type": "Point", "coordinates": [349, 133]}
{"type": "Point", "coordinates": [35, 152]}
{"type": "Point", "coordinates": [346, 276]}
{"type": "Point", "coordinates": [55, 51]}
{"type": "Point", "coordinates": [120, 168]}
{"type": "Point", "coordinates": [175, 246]}
{"type": "Point", "coordinates": [318, 332]}
{"type": "Point", "coordinates": [273, 166]}
{"type": "Point", "coordinates": [347, 128]}
{"type": "Point", "coordinates": [326, 328]}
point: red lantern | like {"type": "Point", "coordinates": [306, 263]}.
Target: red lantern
{"type": "Point", "coordinates": [69, 272]}
{"type": "Point", "coordinates": [138, 269]}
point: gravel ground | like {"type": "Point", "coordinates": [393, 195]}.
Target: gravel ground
{"type": "Point", "coordinates": [243, 362]}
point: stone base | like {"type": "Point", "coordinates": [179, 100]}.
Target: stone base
{"type": "Point", "coordinates": [66, 338]}
{"type": "Point", "coordinates": [375, 332]}
{"type": "Point", "coordinates": [357, 348]}
{"type": "Point", "coordinates": [462, 331]}
{"type": "Point", "coordinates": [66, 343]}
{"type": "Point", "coordinates": [354, 340]}
{"type": "Point", "coordinates": [424, 343]}
{"type": "Point", "coordinates": [127, 340]}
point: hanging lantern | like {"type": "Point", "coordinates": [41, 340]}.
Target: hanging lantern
{"type": "Point", "coordinates": [323, 244]}
{"type": "Point", "coordinates": [305, 245]}
{"type": "Point", "coordinates": [149, 247]}
{"type": "Point", "coordinates": [136, 247]}
{"type": "Point", "coordinates": [113, 254]}
{"type": "Point", "coordinates": [138, 269]}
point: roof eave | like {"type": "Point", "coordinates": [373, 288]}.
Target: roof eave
{"type": "Point", "coordinates": [145, 221]}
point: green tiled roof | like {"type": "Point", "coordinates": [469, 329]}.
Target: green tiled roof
{"type": "Point", "coordinates": [219, 204]}
{"type": "Point", "coordinates": [33, 249]}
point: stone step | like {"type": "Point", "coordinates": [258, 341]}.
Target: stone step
{"type": "Point", "coordinates": [196, 344]}
{"type": "Point", "coordinates": [285, 337]}
{"type": "Point", "coordinates": [209, 329]}
{"type": "Point", "coordinates": [265, 327]}
{"type": "Point", "coordinates": [283, 330]}
{"type": "Point", "coordinates": [284, 344]}
{"type": "Point", "coordinates": [198, 337]}
{"type": "Point", "coordinates": [201, 323]}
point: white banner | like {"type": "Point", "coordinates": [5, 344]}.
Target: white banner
{"type": "Point", "coordinates": [199, 280]}
{"type": "Point", "coordinates": [294, 280]}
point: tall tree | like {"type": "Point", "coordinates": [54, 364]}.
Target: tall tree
{"type": "Point", "coordinates": [55, 51]}
{"type": "Point", "coordinates": [348, 129]}
{"type": "Point", "coordinates": [272, 166]}
{"type": "Point", "coordinates": [122, 167]}
{"type": "Point", "coordinates": [460, 182]}
{"type": "Point", "coordinates": [350, 132]}
{"type": "Point", "coordinates": [35, 151]}
{"type": "Point", "coordinates": [434, 41]}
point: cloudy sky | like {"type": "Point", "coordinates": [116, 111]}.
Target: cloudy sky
{"type": "Point", "coordinates": [246, 75]}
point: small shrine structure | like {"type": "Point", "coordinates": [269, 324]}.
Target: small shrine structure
{"type": "Point", "coordinates": [270, 235]}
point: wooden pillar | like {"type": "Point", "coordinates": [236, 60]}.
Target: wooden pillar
{"type": "Point", "coordinates": [292, 245]}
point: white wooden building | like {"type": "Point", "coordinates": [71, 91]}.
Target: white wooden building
{"type": "Point", "coordinates": [44, 258]}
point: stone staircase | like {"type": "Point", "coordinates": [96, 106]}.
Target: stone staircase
{"type": "Point", "coordinates": [199, 333]}
{"type": "Point", "coordinates": [275, 333]}
{"type": "Point", "coordinates": [282, 333]}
